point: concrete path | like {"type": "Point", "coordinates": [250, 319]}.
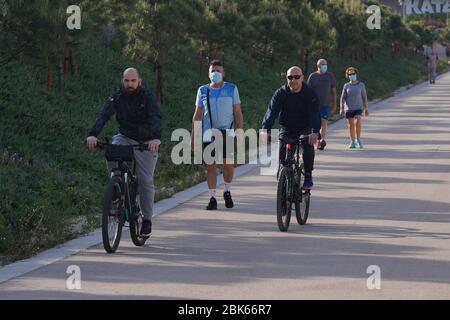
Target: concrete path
{"type": "Point", "coordinates": [385, 208]}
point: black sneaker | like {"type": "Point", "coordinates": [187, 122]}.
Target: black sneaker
{"type": "Point", "coordinates": [146, 229]}
{"type": "Point", "coordinates": [322, 145]}
{"type": "Point", "coordinates": [228, 201]}
{"type": "Point", "coordinates": [212, 205]}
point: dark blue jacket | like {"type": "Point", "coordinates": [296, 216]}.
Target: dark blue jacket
{"type": "Point", "coordinates": [299, 112]}
{"type": "Point", "coordinates": [137, 113]}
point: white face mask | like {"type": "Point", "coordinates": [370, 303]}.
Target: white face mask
{"type": "Point", "coordinates": [216, 77]}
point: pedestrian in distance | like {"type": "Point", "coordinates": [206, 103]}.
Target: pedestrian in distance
{"type": "Point", "coordinates": [432, 59]}
{"type": "Point", "coordinates": [323, 82]}
{"type": "Point", "coordinates": [353, 104]}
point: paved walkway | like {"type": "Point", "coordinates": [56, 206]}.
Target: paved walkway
{"type": "Point", "coordinates": [387, 206]}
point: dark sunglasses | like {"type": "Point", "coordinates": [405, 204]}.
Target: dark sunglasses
{"type": "Point", "coordinates": [352, 74]}
{"type": "Point", "coordinates": [294, 77]}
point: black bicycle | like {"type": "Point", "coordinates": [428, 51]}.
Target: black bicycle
{"type": "Point", "coordinates": [121, 197]}
{"type": "Point", "coordinates": [290, 190]}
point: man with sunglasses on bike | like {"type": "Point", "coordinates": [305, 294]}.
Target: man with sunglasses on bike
{"type": "Point", "coordinates": [139, 118]}
{"type": "Point", "coordinates": [298, 107]}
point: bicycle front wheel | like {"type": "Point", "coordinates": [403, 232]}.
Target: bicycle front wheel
{"type": "Point", "coordinates": [113, 215]}
{"type": "Point", "coordinates": [136, 218]}
{"type": "Point", "coordinates": [304, 208]}
{"type": "Point", "coordinates": [302, 203]}
{"type": "Point", "coordinates": [284, 199]}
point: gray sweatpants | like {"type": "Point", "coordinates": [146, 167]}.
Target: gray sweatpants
{"type": "Point", "coordinates": [145, 168]}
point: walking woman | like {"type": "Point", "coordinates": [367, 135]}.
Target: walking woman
{"type": "Point", "coordinates": [353, 103]}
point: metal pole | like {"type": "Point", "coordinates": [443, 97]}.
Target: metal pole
{"type": "Point", "coordinates": [402, 9]}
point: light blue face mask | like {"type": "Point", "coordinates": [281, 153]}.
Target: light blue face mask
{"type": "Point", "coordinates": [323, 68]}
{"type": "Point", "coordinates": [352, 77]}
{"type": "Point", "coordinates": [216, 77]}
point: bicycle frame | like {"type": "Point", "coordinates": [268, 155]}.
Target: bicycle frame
{"type": "Point", "coordinates": [128, 177]}
{"type": "Point", "coordinates": [293, 155]}
{"type": "Point", "coordinates": [293, 163]}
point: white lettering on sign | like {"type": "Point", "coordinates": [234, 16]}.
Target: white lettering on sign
{"type": "Point", "coordinates": [426, 6]}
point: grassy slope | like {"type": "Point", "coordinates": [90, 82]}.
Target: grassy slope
{"type": "Point", "coordinates": [54, 180]}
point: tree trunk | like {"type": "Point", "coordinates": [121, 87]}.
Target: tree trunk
{"type": "Point", "coordinates": [215, 54]}
{"type": "Point", "coordinates": [73, 64]}
{"type": "Point", "coordinates": [272, 60]}
{"type": "Point", "coordinates": [250, 63]}
{"type": "Point", "coordinates": [392, 50]}
{"type": "Point", "coordinates": [66, 62]}
{"type": "Point", "coordinates": [305, 63]}
{"type": "Point", "coordinates": [60, 76]}
{"type": "Point", "coordinates": [159, 87]}
{"type": "Point", "coordinates": [365, 54]}
{"type": "Point", "coordinates": [202, 56]}
{"type": "Point", "coordinates": [354, 54]}
{"type": "Point", "coordinates": [49, 76]}
{"type": "Point", "coordinates": [264, 57]}
{"type": "Point", "coordinates": [210, 57]}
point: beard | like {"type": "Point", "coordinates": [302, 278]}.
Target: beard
{"type": "Point", "coordinates": [130, 90]}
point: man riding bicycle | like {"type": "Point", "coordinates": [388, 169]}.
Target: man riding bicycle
{"type": "Point", "coordinates": [298, 107]}
{"type": "Point", "coordinates": [139, 121]}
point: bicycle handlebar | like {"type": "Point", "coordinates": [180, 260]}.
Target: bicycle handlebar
{"type": "Point", "coordinates": [140, 146]}
{"type": "Point", "coordinates": [302, 138]}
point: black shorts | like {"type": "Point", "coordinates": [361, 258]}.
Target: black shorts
{"type": "Point", "coordinates": [353, 113]}
{"type": "Point", "coordinates": [225, 153]}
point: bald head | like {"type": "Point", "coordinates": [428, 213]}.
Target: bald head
{"type": "Point", "coordinates": [294, 71]}
{"type": "Point", "coordinates": [131, 80]}
{"type": "Point", "coordinates": [131, 72]}
{"type": "Point", "coordinates": [295, 78]}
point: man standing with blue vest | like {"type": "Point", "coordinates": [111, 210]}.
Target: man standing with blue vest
{"type": "Point", "coordinates": [218, 106]}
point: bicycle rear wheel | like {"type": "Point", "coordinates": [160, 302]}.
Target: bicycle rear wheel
{"type": "Point", "coordinates": [113, 215]}
{"type": "Point", "coordinates": [136, 218]}
{"type": "Point", "coordinates": [302, 201]}
{"type": "Point", "coordinates": [284, 199]}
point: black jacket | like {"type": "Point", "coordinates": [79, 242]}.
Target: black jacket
{"type": "Point", "coordinates": [137, 113]}
{"type": "Point", "coordinates": [299, 112]}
